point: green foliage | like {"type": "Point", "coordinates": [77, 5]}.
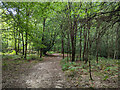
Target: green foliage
{"type": "Point", "coordinates": [104, 69]}
{"type": "Point", "coordinates": [105, 78]}
{"type": "Point", "coordinates": [34, 57]}
{"type": "Point", "coordinates": [69, 67]}
{"type": "Point", "coordinates": [11, 57]}
{"type": "Point", "coordinates": [12, 53]}
{"type": "Point", "coordinates": [50, 52]}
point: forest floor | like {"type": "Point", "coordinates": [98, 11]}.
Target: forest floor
{"type": "Point", "coordinates": [34, 74]}
{"type": "Point", "coordinates": [48, 73]}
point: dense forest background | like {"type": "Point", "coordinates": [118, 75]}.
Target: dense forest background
{"type": "Point", "coordinates": [80, 31]}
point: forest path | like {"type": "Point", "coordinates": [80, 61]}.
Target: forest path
{"type": "Point", "coordinates": [46, 74]}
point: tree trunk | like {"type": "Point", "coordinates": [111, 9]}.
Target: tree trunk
{"type": "Point", "coordinates": [71, 33]}
{"type": "Point", "coordinates": [23, 43]}
{"type": "Point", "coordinates": [68, 45]}
{"type": "Point", "coordinates": [75, 25]}
{"type": "Point", "coordinates": [97, 51]}
{"type": "Point", "coordinates": [29, 48]}
{"type": "Point", "coordinates": [73, 38]}
{"type": "Point", "coordinates": [18, 41]}
{"type": "Point", "coordinates": [41, 53]}
{"type": "Point", "coordinates": [62, 51]}
{"type": "Point", "coordinates": [118, 43]}
{"type": "Point", "coordinates": [18, 28]}
{"type": "Point", "coordinates": [97, 36]}
{"type": "Point", "coordinates": [84, 51]}
{"type": "Point", "coordinates": [63, 48]}
{"type": "Point", "coordinates": [108, 51]}
{"type": "Point", "coordinates": [41, 50]}
{"type": "Point", "coordinates": [26, 46]}
{"type": "Point", "coordinates": [26, 32]}
{"type": "Point", "coordinates": [15, 42]}
{"type": "Point", "coordinates": [80, 43]}
{"type": "Point", "coordinates": [90, 70]}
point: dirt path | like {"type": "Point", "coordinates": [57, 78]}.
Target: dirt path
{"type": "Point", "coordinates": [46, 74]}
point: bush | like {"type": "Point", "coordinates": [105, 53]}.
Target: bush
{"type": "Point", "coordinates": [34, 57]}
{"type": "Point", "coordinates": [50, 52]}
{"type": "Point", "coordinates": [11, 56]}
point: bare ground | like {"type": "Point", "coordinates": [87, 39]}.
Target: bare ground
{"type": "Point", "coordinates": [45, 74]}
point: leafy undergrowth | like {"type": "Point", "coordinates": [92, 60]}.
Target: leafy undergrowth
{"type": "Point", "coordinates": [10, 60]}
{"type": "Point", "coordinates": [104, 74]}
{"type": "Point", "coordinates": [50, 52]}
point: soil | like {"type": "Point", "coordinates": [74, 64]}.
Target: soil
{"type": "Point", "coordinates": [45, 74]}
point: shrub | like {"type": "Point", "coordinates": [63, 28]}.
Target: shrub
{"type": "Point", "coordinates": [34, 57]}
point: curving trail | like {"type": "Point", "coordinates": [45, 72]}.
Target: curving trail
{"type": "Point", "coordinates": [46, 74]}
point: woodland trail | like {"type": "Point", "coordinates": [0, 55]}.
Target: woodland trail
{"type": "Point", "coordinates": [46, 74]}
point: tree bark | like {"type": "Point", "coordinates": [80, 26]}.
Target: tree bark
{"type": "Point", "coordinates": [23, 43]}
{"type": "Point", "coordinates": [62, 42]}
{"type": "Point", "coordinates": [84, 51]}
{"type": "Point", "coordinates": [15, 42]}
{"type": "Point", "coordinates": [18, 41]}
{"type": "Point", "coordinates": [41, 50]}
{"type": "Point", "coordinates": [18, 27]}
{"type": "Point", "coordinates": [118, 42]}
{"type": "Point", "coordinates": [68, 45]}
{"type": "Point", "coordinates": [80, 43]}
{"type": "Point", "coordinates": [26, 32]}
{"type": "Point", "coordinates": [73, 44]}
{"type": "Point", "coordinates": [26, 46]}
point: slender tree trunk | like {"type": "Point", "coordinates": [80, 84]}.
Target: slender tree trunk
{"type": "Point", "coordinates": [84, 51]}
{"type": "Point", "coordinates": [73, 36]}
{"type": "Point", "coordinates": [97, 44]}
{"type": "Point", "coordinates": [26, 33]}
{"type": "Point", "coordinates": [41, 53]}
{"type": "Point", "coordinates": [41, 50]}
{"type": "Point", "coordinates": [72, 28]}
{"type": "Point", "coordinates": [87, 46]}
{"type": "Point", "coordinates": [29, 48]}
{"type": "Point", "coordinates": [23, 43]}
{"type": "Point", "coordinates": [89, 49]}
{"type": "Point", "coordinates": [63, 48]}
{"type": "Point", "coordinates": [18, 28]}
{"type": "Point", "coordinates": [15, 42]}
{"type": "Point", "coordinates": [108, 51]}
{"type": "Point", "coordinates": [75, 25]}
{"type": "Point", "coordinates": [26, 46]}
{"type": "Point", "coordinates": [118, 42]}
{"type": "Point", "coordinates": [73, 44]}
{"type": "Point", "coordinates": [80, 43]}
{"type": "Point", "coordinates": [97, 51]}
{"type": "Point", "coordinates": [90, 70]}
{"type": "Point", "coordinates": [68, 44]}
{"type": "Point", "coordinates": [67, 53]}
{"type": "Point", "coordinates": [62, 42]}
{"type": "Point", "coordinates": [18, 41]}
